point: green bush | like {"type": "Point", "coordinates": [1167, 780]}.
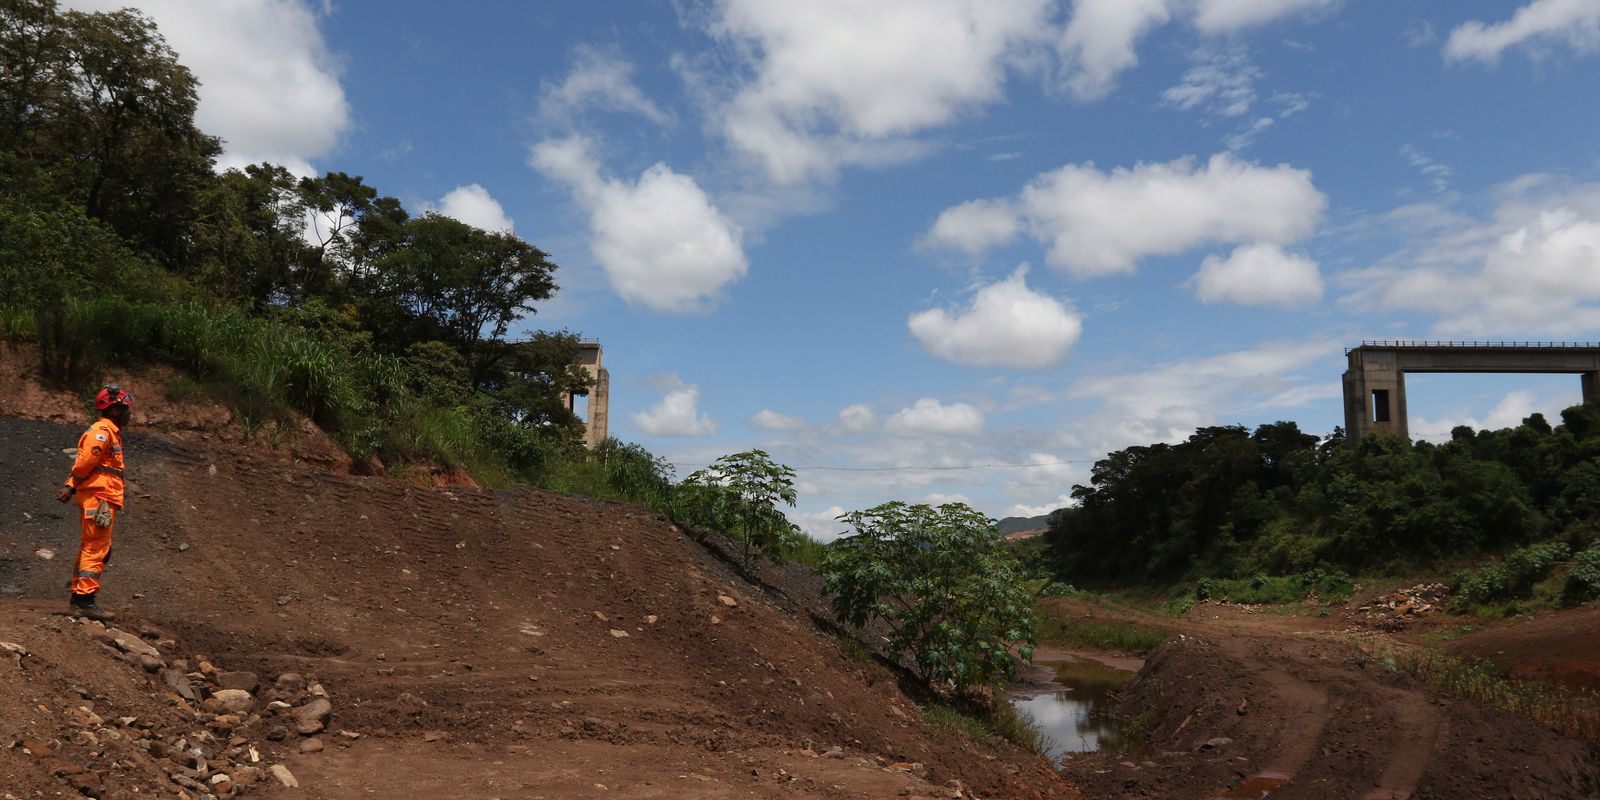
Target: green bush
{"type": "Point", "coordinates": [1326, 585]}
{"type": "Point", "coordinates": [1583, 580]}
{"type": "Point", "coordinates": [1511, 578]}
{"type": "Point", "coordinates": [953, 597]}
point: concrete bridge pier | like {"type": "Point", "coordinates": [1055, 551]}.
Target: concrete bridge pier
{"type": "Point", "coordinates": [1375, 397]}
{"type": "Point", "coordinates": [1375, 383]}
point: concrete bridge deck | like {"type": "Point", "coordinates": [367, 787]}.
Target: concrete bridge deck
{"type": "Point", "coordinates": [1375, 387]}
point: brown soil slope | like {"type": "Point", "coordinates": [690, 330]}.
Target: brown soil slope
{"type": "Point", "coordinates": [481, 644]}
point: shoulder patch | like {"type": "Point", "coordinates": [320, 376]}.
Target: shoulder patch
{"type": "Point", "coordinates": [100, 437]}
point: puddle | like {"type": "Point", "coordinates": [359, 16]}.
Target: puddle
{"type": "Point", "coordinates": [1077, 718]}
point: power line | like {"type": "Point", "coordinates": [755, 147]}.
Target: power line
{"type": "Point", "coordinates": [829, 468]}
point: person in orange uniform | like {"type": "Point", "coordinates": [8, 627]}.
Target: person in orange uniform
{"type": "Point", "coordinates": [96, 482]}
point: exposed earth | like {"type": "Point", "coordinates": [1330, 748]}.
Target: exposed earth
{"type": "Point", "coordinates": [369, 636]}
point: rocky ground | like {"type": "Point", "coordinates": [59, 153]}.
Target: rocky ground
{"type": "Point", "coordinates": [451, 642]}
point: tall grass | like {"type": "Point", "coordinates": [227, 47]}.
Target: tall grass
{"type": "Point", "coordinates": [1571, 713]}
{"type": "Point", "coordinates": [1115, 636]}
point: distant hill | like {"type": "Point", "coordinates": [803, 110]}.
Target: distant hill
{"type": "Point", "coordinates": [1011, 525]}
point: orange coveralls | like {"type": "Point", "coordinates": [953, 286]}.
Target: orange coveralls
{"type": "Point", "coordinates": [97, 477]}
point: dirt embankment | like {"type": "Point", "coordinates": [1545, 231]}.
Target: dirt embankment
{"type": "Point", "coordinates": [1245, 702]}
{"type": "Point", "coordinates": [473, 644]}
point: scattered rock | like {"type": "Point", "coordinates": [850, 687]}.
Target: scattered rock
{"type": "Point", "coordinates": [290, 682]}
{"type": "Point", "coordinates": [313, 716]}
{"type": "Point", "coordinates": [1215, 744]}
{"type": "Point", "coordinates": [150, 664]}
{"type": "Point", "coordinates": [619, 634]}
{"type": "Point", "coordinates": [178, 683]}
{"type": "Point", "coordinates": [222, 784]}
{"type": "Point", "coordinates": [311, 746]}
{"type": "Point", "coordinates": [727, 601]}
{"type": "Point", "coordinates": [716, 620]}
{"type": "Point", "coordinates": [128, 643]}
{"type": "Point", "coordinates": [284, 776]}
{"type": "Point", "coordinates": [434, 736]}
{"type": "Point", "coordinates": [183, 548]}
{"type": "Point", "coordinates": [277, 733]}
{"type": "Point", "coordinates": [235, 700]}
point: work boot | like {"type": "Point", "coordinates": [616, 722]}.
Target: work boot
{"type": "Point", "coordinates": [83, 607]}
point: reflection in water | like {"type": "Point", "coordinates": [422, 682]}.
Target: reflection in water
{"type": "Point", "coordinates": [1078, 720]}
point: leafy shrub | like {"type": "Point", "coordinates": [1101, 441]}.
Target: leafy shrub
{"type": "Point", "coordinates": [1329, 586]}
{"type": "Point", "coordinates": [942, 581]}
{"type": "Point", "coordinates": [740, 495]}
{"type": "Point", "coordinates": [1583, 581]}
{"type": "Point", "coordinates": [1060, 589]}
{"type": "Point", "coordinates": [1512, 578]}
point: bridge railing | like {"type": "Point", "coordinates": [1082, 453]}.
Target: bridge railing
{"type": "Point", "coordinates": [1403, 343]}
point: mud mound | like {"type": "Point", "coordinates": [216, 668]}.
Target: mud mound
{"type": "Point", "coordinates": [1304, 718]}
{"type": "Point", "coordinates": [498, 643]}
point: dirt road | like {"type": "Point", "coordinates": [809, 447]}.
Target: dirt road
{"type": "Point", "coordinates": [1246, 702]}
{"type": "Point", "coordinates": [482, 644]}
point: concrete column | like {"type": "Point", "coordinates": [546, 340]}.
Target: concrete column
{"type": "Point", "coordinates": [599, 401]}
{"type": "Point", "coordinates": [1591, 387]}
{"type": "Point", "coordinates": [1374, 396]}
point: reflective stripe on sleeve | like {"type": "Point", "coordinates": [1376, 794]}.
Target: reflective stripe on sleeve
{"type": "Point", "coordinates": [109, 471]}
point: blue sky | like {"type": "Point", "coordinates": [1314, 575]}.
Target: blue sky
{"type": "Point", "coordinates": [892, 235]}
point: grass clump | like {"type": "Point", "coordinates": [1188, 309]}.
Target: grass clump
{"type": "Point", "coordinates": [1328, 586]}
{"type": "Point", "coordinates": [1004, 721]}
{"type": "Point", "coordinates": [1575, 714]}
{"type": "Point", "coordinates": [1117, 636]}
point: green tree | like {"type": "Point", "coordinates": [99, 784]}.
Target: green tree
{"type": "Point", "coordinates": [464, 284]}
{"type": "Point", "coordinates": [943, 582]}
{"type": "Point", "coordinates": [741, 495]}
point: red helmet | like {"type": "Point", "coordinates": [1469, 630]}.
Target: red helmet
{"type": "Point", "coordinates": [112, 395]}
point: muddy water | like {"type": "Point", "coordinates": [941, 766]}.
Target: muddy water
{"type": "Point", "coordinates": [1076, 712]}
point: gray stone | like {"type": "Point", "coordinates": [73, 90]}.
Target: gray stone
{"type": "Point", "coordinates": [284, 776]}
{"type": "Point", "coordinates": [178, 683]}
{"type": "Point", "coordinates": [235, 700]}
{"type": "Point", "coordinates": [313, 716]}
{"type": "Point", "coordinates": [128, 643]}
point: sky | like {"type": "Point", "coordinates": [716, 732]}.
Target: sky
{"type": "Point", "coordinates": [956, 250]}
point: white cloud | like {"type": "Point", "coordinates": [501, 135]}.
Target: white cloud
{"type": "Point", "coordinates": [1023, 510]}
{"type": "Point", "coordinates": [1222, 81]}
{"type": "Point", "coordinates": [677, 413]}
{"type": "Point", "coordinates": [1097, 223]}
{"type": "Point", "coordinates": [1532, 268]}
{"type": "Point", "coordinates": [824, 526]}
{"type": "Point", "coordinates": [1575, 23]}
{"type": "Point", "coordinates": [946, 498]}
{"type": "Point", "coordinates": [1006, 325]}
{"type": "Point", "coordinates": [599, 80]}
{"type": "Point", "coordinates": [1229, 16]}
{"type": "Point", "coordinates": [837, 82]}
{"type": "Point", "coordinates": [1508, 413]}
{"type": "Point", "coordinates": [1166, 402]}
{"type": "Point", "coordinates": [929, 416]}
{"type": "Point", "coordinates": [1097, 44]}
{"type": "Point", "coordinates": [474, 205]}
{"type": "Point", "coordinates": [1259, 275]}
{"type": "Point", "coordinates": [268, 84]}
{"type": "Point", "coordinates": [974, 227]}
{"type": "Point", "coordinates": [1438, 174]}
{"type": "Point", "coordinates": [857, 417]}
{"type": "Point", "coordinates": [661, 241]}
{"type": "Point", "coordinates": [767, 419]}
